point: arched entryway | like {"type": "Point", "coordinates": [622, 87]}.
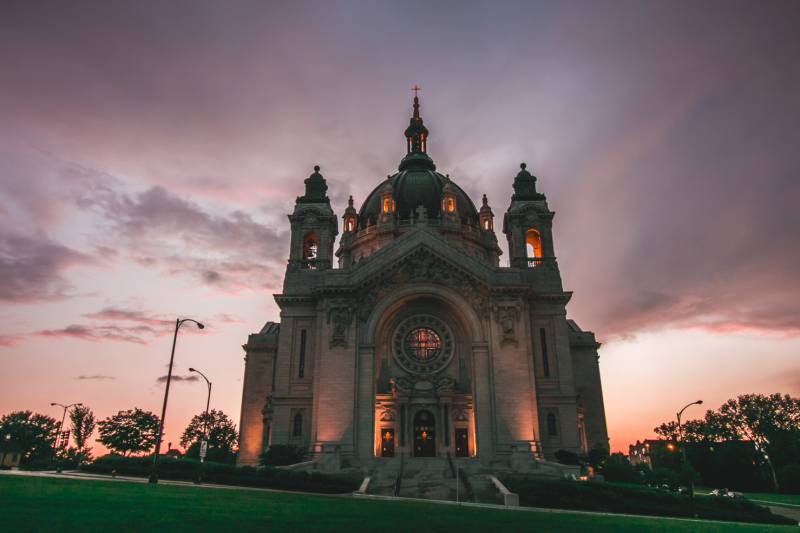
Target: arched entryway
{"type": "Point", "coordinates": [424, 434]}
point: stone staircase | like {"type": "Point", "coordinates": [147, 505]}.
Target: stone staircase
{"type": "Point", "coordinates": [434, 478]}
{"type": "Point", "coordinates": [383, 476]}
{"type": "Point", "coordinates": [429, 478]}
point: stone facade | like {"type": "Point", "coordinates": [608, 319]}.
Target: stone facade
{"type": "Point", "coordinates": [420, 343]}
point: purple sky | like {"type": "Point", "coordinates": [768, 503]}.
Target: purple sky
{"type": "Point", "coordinates": [149, 152]}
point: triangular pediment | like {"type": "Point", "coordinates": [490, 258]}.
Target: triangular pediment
{"type": "Point", "coordinates": [421, 256]}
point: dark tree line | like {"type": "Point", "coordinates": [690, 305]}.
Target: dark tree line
{"type": "Point", "coordinates": [129, 432]}
{"type": "Point", "coordinates": [764, 429]}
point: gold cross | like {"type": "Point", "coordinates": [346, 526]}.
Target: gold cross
{"type": "Point", "coordinates": [416, 88]}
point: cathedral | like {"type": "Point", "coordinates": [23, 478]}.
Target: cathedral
{"type": "Point", "coordinates": [415, 340]}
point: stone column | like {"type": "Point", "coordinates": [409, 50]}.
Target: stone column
{"type": "Point", "coordinates": [365, 402]}
{"type": "Point", "coordinates": [483, 402]}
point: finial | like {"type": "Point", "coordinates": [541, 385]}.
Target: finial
{"type": "Point", "coordinates": [350, 201]}
{"type": "Point", "coordinates": [485, 201]}
{"type": "Point", "coordinates": [316, 168]}
{"type": "Point", "coordinates": [522, 166]}
{"type": "Point", "coordinates": [416, 88]}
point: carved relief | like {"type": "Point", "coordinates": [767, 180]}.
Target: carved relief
{"type": "Point", "coordinates": [422, 266]}
{"type": "Point", "coordinates": [340, 316]}
{"type": "Point", "coordinates": [507, 314]}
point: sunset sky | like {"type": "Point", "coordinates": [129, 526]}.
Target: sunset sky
{"type": "Point", "coordinates": [150, 152]}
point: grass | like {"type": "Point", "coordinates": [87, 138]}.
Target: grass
{"type": "Point", "coordinates": [766, 497]}
{"type": "Point", "coordinates": [48, 504]}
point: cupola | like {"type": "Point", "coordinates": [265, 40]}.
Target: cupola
{"type": "Point", "coordinates": [350, 218]}
{"type": "Point", "coordinates": [486, 216]}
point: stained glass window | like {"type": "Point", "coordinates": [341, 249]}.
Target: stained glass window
{"type": "Point", "coordinates": [422, 344]}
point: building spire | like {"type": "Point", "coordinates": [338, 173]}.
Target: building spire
{"type": "Point", "coordinates": [416, 132]}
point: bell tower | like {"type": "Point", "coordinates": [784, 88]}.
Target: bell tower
{"type": "Point", "coordinates": [528, 224]}
{"type": "Point", "coordinates": [314, 227]}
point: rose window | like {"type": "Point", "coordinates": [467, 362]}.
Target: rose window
{"type": "Point", "coordinates": [423, 344]}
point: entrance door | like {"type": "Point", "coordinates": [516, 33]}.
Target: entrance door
{"type": "Point", "coordinates": [387, 443]}
{"type": "Point", "coordinates": [424, 434]}
{"type": "Point", "coordinates": [462, 442]}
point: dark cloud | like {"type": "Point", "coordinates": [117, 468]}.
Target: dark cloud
{"type": "Point", "coordinates": [131, 315]}
{"type": "Point", "coordinates": [136, 335]}
{"type": "Point", "coordinates": [189, 377]}
{"type": "Point", "coordinates": [95, 377]}
{"type": "Point", "coordinates": [32, 268]}
{"type": "Point", "coordinates": [231, 250]}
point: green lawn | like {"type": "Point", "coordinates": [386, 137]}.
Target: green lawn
{"type": "Point", "coordinates": [771, 497]}
{"type": "Point", "coordinates": [47, 504]}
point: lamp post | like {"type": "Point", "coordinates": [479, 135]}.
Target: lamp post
{"type": "Point", "coordinates": [208, 403]}
{"type": "Point", "coordinates": [178, 323]}
{"type": "Point", "coordinates": [683, 445]}
{"type": "Point", "coordinates": [61, 425]}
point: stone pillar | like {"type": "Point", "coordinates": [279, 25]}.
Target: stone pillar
{"type": "Point", "coordinates": [482, 400]}
{"type": "Point", "coordinates": [365, 402]}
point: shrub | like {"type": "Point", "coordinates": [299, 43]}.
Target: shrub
{"type": "Point", "coordinates": [618, 468]}
{"type": "Point", "coordinates": [188, 469]}
{"type": "Point", "coordinates": [605, 497]}
{"type": "Point", "coordinates": [566, 457]}
{"type": "Point", "coordinates": [281, 455]}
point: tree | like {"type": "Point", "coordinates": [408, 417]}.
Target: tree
{"type": "Point", "coordinates": [221, 431]}
{"type": "Point", "coordinates": [128, 432]}
{"type": "Point", "coordinates": [764, 420]}
{"type": "Point", "coordinates": [82, 422]}
{"type": "Point", "coordinates": [32, 433]}
{"type": "Point", "coordinates": [708, 429]}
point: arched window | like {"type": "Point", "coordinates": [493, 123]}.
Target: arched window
{"type": "Point", "coordinates": [297, 430]}
{"type": "Point", "coordinates": [451, 204]}
{"type": "Point", "coordinates": [310, 246]}
{"type": "Point", "coordinates": [533, 244]}
{"type": "Point", "coordinates": [350, 225]}
{"type": "Point", "coordinates": [552, 425]}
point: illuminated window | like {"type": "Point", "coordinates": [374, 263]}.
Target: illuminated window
{"type": "Point", "coordinates": [350, 225]}
{"type": "Point", "coordinates": [297, 430]}
{"type": "Point", "coordinates": [451, 204]}
{"type": "Point", "coordinates": [422, 344]}
{"type": "Point", "coordinates": [533, 244]}
{"type": "Point", "coordinates": [552, 425]}
{"type": "Point", "coordinates": [310, 246]}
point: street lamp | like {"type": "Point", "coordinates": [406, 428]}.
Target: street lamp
{"type": "Point", "coordinates": [178, 323]}
{"type": "Point", "coordinates": [683, 445]}
{"type": "Point", "coordinates": [61, 425]}
{"type": "Point", "coordinates": [208, 402]}
{"type": "Point", "coordinates": [6, 438]}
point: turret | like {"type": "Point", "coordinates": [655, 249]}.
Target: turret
{"type": "Point", "coordinates": [528, 224]}
{"type": "Point", "coordinates": [314, 227]}
{"type": "Point", "coordinates": [485, 216]}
